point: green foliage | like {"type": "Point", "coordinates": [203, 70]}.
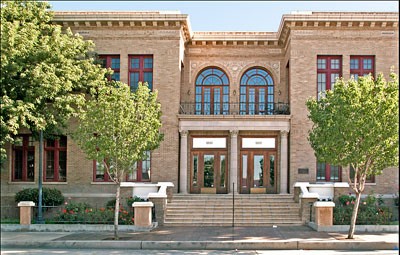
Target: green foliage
{"type": "Point", "coordinates": [83, 213]}
{"type": "Point", "coordinates": [357, 124]}
{"type": "Point", "coordinates": [346, 199]}
{"type": "Point", "coordinates": [396, 199]}
{"type": "Point", "coordinates": [370, 212]}
{"type": "Point", "coordinates": [120, 126]}
{"type": "Point", "coordinates": [51, 197]}
{"type": "Point", "coordinates": [45, 71]}
{"type": "Point", "coordinates": [131, 200]}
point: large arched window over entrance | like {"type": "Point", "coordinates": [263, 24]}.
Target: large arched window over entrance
{"type": "Point", "coordinates": [212, 92]}
{"type": "Point", "coordinates": [256, 92]}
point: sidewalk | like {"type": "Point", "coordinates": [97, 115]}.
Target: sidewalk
{"type": "Point", "coordinates": [206, 238]}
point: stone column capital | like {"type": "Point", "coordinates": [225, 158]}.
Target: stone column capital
{"type": "Point", "coordinates": [284, 133]}
{"type": "Point", "coordinates": [234, 133]}
{"type": "Point", "coordinates": [184, 133]}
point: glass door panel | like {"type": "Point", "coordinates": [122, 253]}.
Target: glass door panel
{"type": "Point", "coordinates": [252, 101]}
{"type": "Point", "coordinates": [271, 187]}
{"type": "Point", "coordinates": [207, 101]}
{"type": "Point", "coordinates": [258, 166]}
{"type": "Point", "coordinates": [217, 101]}
{"type": "Point", "coordinates": [244, 180]}
{"type": "Point", "coordinates": [208, 171]}
{"type": "Point", "coordinates": [222, 174]}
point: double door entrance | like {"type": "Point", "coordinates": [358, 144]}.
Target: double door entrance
{"type": "Point", "coordinates": [257, 171]}
{"type": "Point", "coordinates": [209, 171]}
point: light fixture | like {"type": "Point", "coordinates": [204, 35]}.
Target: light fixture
{"type": "Point", "coordinates": [188, 92]}
{"type": "Point", "coordinates": [234, 92]}
{"type": "Point", "coordinates": [279, 92]}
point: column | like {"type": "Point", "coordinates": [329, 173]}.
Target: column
{"type": "Point", "coordinates": [233, 174]}
{"type": "Point", "coordinates": [284, 160]}
{"type": "Point", "coordinates": [183, 162]}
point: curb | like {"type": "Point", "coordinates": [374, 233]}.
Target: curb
{"type": "Point", "coordinates": [206, 245]}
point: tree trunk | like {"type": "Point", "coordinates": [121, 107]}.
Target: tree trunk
{"type": "Point", "coordinates": [116, 212]}
{"type": "Point", "coordinates": [354, 216]}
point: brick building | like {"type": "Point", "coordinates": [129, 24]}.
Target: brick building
{"type": "Point", "coordinates": [234, 113]}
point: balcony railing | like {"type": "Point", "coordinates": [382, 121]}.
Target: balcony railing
{"type": "Point", "coordinates": [234, 109]}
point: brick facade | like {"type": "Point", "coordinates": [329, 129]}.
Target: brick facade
{"type": "Point", "coordinates": [179, 55]}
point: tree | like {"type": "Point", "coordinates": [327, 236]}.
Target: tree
{"type": "Point", "coordinates": [45, 72]}
{"type": "Point", "coordinates": [357, 125]}
{"type": "Point", "coordinates": [118, 128]}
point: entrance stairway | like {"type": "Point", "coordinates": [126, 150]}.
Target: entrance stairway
{"type": "Point", "coordinates": [216, 210]}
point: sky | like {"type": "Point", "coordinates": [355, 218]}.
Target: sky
{"type": "Point", "coordinates": [228, 15]}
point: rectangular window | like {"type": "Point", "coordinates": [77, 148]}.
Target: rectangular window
{"type": "Point", "coordinates": [113, 62]}
{"type": "Point", "coordinates": [140, 171]}
{"type": "Point", "coordinates": [23, 168]}
{"type": "Point", "coordinates": [329, 68]}
{"type": "Point", "coordinates": [55, 159]}
{"type": "Point", "coordinates": [140, 70]}
{"type": "Point", "coordinates": [362, 66]}
{"type": "Point", "coordinates": [326, 172]}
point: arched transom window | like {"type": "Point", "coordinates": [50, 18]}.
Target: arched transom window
{"type": "Point", "coordinates": [212, 92]}
{"type": "Point", "coordinates": [256, 92]}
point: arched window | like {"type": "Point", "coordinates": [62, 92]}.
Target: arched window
{"type": "Point", "coordinates": [256, 92]}
{"type": "Point", "coordinates": [212, 92]}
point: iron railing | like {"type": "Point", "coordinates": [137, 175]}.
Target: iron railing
{"type": "Point", "coordinates": [234, 108]}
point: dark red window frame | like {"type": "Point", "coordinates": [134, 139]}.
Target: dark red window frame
{"type": "Point", "coordinates": [55, 148]}
{"type": "Point", "coordinates": [106, 177]}
{"type": "Point", "coordinates": [361, 71]}
{"type": "Point", "coordinates": [108, 64]}
{"type": "Point", "coordinates": [328, 173]}
{"type": "Point", "coordinates": [25, 148]}
{"type": "Point", "coordinates": [141, 70]}
{"type": "Point", "coordinates": [328, 70]}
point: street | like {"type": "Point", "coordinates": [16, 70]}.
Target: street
{"type": "Point", "coordinates": [27, 251]}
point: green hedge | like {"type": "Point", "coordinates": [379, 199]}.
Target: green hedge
{"type": "Point", "coordinates": [51, 197]}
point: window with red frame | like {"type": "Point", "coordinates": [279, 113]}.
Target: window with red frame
{"type": "Point", "coordinates": [23, 167]}
{"type": "Point", "coordinates": [55, 159]}
{"type": "Point", "coordinates": [140, 171]}
{"type": "Point", "coordinates": [327, 172]}
{"type": "Point", "coordinates": [113, 62]}
{"type": "Point", "coordinates": [140, 70]}
{"type": "Point", "coordinates": [329, 68]}
{"type": "Point", "coordinates": [369, 179]}
{"type": "Point", "coordinates": [362, 66]}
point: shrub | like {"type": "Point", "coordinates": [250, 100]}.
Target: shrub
{"type": "Point", "coordinates": [51, 197]}
{"type": "Point", "coordinates": [131, 200]}
{"type": "Point", "coordinates": [370, 211]}
{"type": "Point", "coordinates": [84, 213]}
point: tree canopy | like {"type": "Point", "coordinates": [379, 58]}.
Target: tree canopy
{"type": "Point", "coordinates": [45, 71]}
{"type": "Point", "coordinates": [357, 125]}
{"type": "Point", "coordinates": [117, 128]}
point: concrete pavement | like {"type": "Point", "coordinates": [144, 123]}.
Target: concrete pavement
{"type": "Point", "coordinates": [206, 238]}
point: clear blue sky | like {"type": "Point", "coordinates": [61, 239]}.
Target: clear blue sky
{"type": "Point", "coordinates": [229, 15]}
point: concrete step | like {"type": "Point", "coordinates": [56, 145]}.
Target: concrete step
{"type": "Point", "coordinates": [216, 210]}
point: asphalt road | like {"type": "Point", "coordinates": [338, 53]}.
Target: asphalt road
{"type": "Point", "coordinates": [25, 251]}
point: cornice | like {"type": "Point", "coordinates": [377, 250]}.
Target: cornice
{"type": "Point", "coordinates": [145, 19]}
{"type": "Point", "coordinates": [174, 20]}
{"type": "Point", "coordinates": [326, 20]}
